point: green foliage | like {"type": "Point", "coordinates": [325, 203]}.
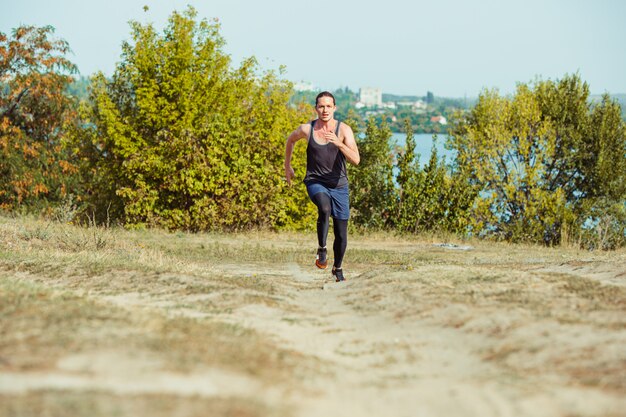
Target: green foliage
{"type": "Point", "coordinates": [36, 170]}
{"type": "Point", "coordinates": [603, 155]}
{"type": "Point", "coordinates": [179, 139]}
{"type": "Point", "coordinates": [430, 199]}
{"type": "Point", "coordinates": [604, 226]}
{"type": "Point", "coordinates": [408, 182]}
{"type": "Point", "coordinates": [601, 206]}
{"type": "Point", "coordinates": [79, 88]}
{"type": "Point", "coordinates": [372, 188]}
{"type": "Point", "coordinates": [541, 159]}
{"type": "Point", "coordinates": [408, 164]}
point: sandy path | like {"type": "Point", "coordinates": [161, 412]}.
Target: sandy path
{"type": "Point", "coordinates": [377, 364]}
{"type": "Point", "coordinates": [370, 362]}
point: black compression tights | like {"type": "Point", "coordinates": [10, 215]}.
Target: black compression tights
{"type": "Point", "coordinates": [340, 228]}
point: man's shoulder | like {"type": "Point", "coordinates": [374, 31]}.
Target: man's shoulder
{"type": "Point", "coordinates": [304, 130]}
{"type": "Point", "coordinates": [344, 127]}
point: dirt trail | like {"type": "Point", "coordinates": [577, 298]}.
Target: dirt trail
{"type": "Point", "coordinates": [375, 364]}
{"type": "Point", "coordinates": [388, 342]}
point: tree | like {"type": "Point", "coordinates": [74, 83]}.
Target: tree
{"type": "Point", "coordinates": [408, 178]}
{"type": "Point", "coordinates": [179, 139]}
{"type": "Point", "coordinates": [601, 202]}
{"type": "Point", "coordinates": [541, 159]}
{"type": "Point", "coordinates": [35, 168]}
{"type": "Point", "coordinates": [431, 198]}
{"type": "Point", "coordinates": [372, 188]}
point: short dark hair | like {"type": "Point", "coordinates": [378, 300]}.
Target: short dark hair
{"type": "Point", "coordinates": [325, 94]}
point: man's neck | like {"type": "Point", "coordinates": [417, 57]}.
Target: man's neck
{"type": "Point", "coordinates": [328, 125]}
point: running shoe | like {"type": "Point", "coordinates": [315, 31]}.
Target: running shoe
{"type": "Point", "coordinates": [338, 274]}
{"type": "Point", "coordinates": [321, 261]}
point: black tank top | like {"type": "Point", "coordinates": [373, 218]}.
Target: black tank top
{"type": "Point", "coordinates": [325, 164]}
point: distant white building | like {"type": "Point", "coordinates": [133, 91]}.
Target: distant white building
{"type": "Point", "coordinates": [420, 104]}
{"type": "Point", "coordinates": [303, 86]}
{"type": "Point", "coordinates": [416, 106]}
{"type": "Point", "coordinates": [371, 97]}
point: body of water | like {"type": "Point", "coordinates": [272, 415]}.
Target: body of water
{"type": "Point", "coordinates": [423, 145]}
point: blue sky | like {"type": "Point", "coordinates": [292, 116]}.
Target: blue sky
{"type": "Point", "coordinates": [453, 48]}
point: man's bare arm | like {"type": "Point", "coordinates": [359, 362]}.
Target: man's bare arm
{"type": "Point", "coordinates": [296, 135]}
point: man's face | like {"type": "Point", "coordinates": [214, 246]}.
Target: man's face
{"type": "Point", "coordinates": [325, 108]}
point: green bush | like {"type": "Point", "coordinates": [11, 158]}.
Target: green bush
{"type": "Point", "coordinates": [545, 160]}
{"type": "Point", "coordinates": [373, 193]}
{"type": "Point", "coordinates": [178, 139]}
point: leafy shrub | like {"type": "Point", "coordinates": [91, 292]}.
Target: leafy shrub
{"type": "Point", "coordinates": [180, 140]}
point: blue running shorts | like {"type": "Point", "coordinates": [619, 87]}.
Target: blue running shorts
{"type": "Point", "coordinates": [339, 199]}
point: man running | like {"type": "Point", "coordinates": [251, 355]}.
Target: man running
{"type": "Point", "coordinates": [330, 144]}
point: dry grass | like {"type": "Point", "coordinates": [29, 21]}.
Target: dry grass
{"type": "Point", "coordinates": [182, 304]}
{"type": "Point", "coordinates": [65, 289]}
{"type": "Point", "coordinates": [99, 404]}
